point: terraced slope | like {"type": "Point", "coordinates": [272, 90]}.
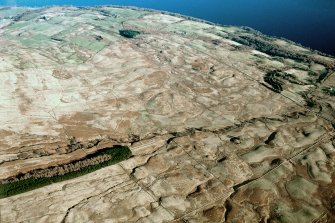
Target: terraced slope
{"type": "Point", "coordinates": [224, 124]}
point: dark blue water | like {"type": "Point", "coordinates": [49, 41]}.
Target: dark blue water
{"type": "Point", "coordinates": [309, 22]}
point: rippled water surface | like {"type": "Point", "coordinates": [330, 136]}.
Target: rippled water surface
{"type": "Point", "coordinates": [309, 22]}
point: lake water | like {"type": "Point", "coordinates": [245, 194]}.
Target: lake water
{"type": "Point", "coordinates": [309, 22]}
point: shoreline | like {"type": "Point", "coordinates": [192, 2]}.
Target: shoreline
{"type": "Point", "coordinates": [191, 18]}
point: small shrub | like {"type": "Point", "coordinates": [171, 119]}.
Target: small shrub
{"type": "Point", "coordinates": [272, 79]}
{"type": "Point", "coordinates": [329, 90]}
{"type": "Point", "coordinates": [129, 33]}
{"type": "Point", "coordinates": [322, 76]}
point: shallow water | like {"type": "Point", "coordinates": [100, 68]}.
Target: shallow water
{"type": "Point", "coordinates": [309, 22]}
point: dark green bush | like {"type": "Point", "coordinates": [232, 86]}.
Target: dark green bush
{"type": "Point", "coordinates": [322, 76]}
{"type": "Point", "coordinates": [119, 153]}
{"type": "Point", "coordinates": [267, 47]}
{"type": "Point", "coordinates": [329, 90]}
{"type": "Point", "coordinates": [128, 33]}
{"type": "Point", "coordinates": [272, 79]}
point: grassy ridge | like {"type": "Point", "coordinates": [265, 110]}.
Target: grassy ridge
{"type": "Point", "coordinates": [119, 153]}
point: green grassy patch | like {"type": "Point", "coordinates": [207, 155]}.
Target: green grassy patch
{"type": "Point", "coordinates": [87, 43]}
{"type": "Point", "coordinates": [118, 153]}
{"type": "Point", "coordinates": [19, 25]}
{"type": "Point", "coordinates": [35, 41]}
